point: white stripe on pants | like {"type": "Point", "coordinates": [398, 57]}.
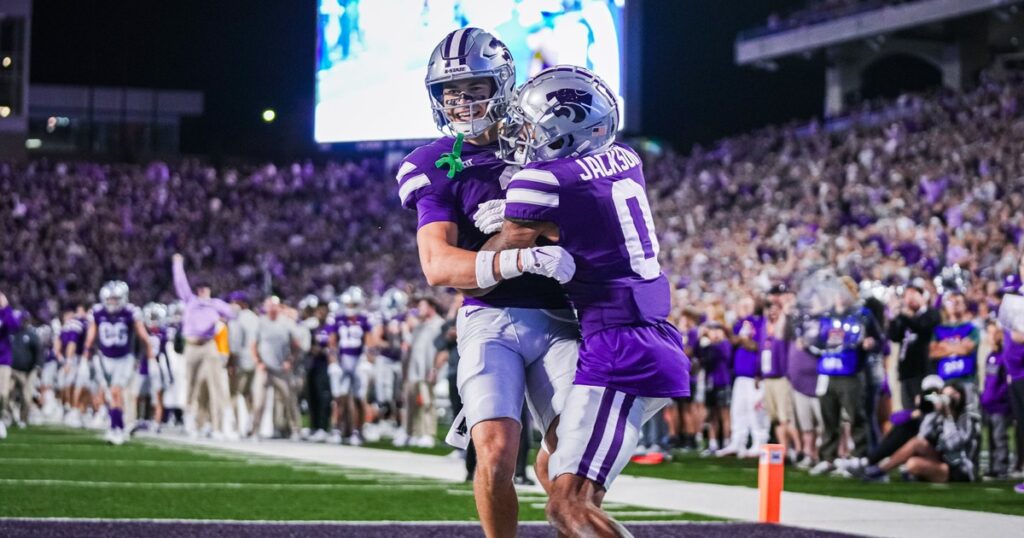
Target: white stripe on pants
{"type": "Point", "coordinates": [748, 415]}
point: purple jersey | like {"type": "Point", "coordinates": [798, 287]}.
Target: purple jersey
{"type": "Point", "coordinates": [599, 203]}
{"type": "Point", "coordinates": [747, 362]}
{"type": "Point", "coordinates": [436, 198]}
{"type": "Point", "coordinates": [114, 330]}
{"type": "Point", "coordinates": [157, 342]}
{"type": "Point", "coordinates": [352, 333]}
{"type": "Point", "coordinates": [72, 332]}
{"type": "Point", "coordinates": [394, 337]}
{"type": "Point", "coordinates": [954, 367]}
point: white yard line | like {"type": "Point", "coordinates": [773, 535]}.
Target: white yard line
{"type": "Point", "coordinates": [838, 514]}
{"type": "Point", "coordinates": [212, 485]}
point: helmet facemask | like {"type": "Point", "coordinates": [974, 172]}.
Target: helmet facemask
{"type": "Point", "coordinates": [467, 111]}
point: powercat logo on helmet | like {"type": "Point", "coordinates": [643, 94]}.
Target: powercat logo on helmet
{"type": "Point", "coordinates": [570, 103]}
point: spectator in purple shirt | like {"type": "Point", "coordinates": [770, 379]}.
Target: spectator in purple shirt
{"type": "Point", "coordinates": [10, 323]}
{"type": "Point", "coordinates": [995, 405]}
{"type": "Point", "coordinates": [715, 354]}
{"type": "Point", "coordinates": [747, 410]}
{"type": "Point", "coordinates": [778, 392]}
{"type": "Point", "coordinates": [203, 362]}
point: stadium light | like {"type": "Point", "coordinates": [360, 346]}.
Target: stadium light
{"type": "Point", "coordinates": [269, 115]}
{"type": "Point", "coordinates": [5, 111]}
{"type": "Point", "coordinates": [7, 61]}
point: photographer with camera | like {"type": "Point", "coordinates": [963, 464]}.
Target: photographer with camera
{"type": "Point", "coordinates": [942, 449]}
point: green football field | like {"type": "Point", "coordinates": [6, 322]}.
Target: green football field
{"type": "Point", "coordinates": [51, 472]}
{"type": "Point", "coordinates": [994, 496]}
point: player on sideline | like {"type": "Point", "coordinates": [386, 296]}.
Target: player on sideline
{"type": "Point", "coordinates": [351, 338]}
{"type": "Point", "coordinates": [582, 189]}
{"type": "Point", "coordinates": [521, 336]}
{"type": "Point", "coordinates": [113, 323]}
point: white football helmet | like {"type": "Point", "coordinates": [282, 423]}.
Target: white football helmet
{"type": "Point", "coordinates": [154, 315]}
{"type": "Point", "coordinates": [394, 301]}
{"type": "Point", "coordinates": [465, 54]}
{"type": "Point", "coordinates": [352, 300]}
{"type": "Point", "coordinates": [562, 112]}
{"type": "Point", "coordinates": [114, 295]}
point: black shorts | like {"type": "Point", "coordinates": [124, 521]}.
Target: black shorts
{"type": "Point", "coordinates": [718, 397]}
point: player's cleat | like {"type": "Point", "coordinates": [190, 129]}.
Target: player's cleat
{"type": "Point", "coordinates": [295, 437]}
{"type": "Point", "coordinates": [401, 438]}
{"type": "Point", "coordinates": [318, 436]}
{"type": "Point", "coordinates": [823, 467]}
{"type": "Point", "coordinates": [335, 438]}
{"type": "Point", "coordinates": [424, 441]}
{"type": "Point", "coordinates": [728, 450]}
{"type": "Point", "coordinates": [3, 430]}
{"type": "Point", "coordinates": [355, 439]}
{"type": "Point", "coordinates": [371, 432]}
{"type": "Point", "coordinates": [805, 463]}
{"type": "Point", "coordinates": [116, 437]}
{"type": "Point", "coordinates": [523, 481]}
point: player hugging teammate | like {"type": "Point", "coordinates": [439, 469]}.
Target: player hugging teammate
{"type": "Point", "coordinates": [575, 213]}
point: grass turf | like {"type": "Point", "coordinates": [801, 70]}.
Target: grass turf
{"type": "Point", "coordinates": [997, 496]}
{"type": "Point", "coordinates": [53, 472]}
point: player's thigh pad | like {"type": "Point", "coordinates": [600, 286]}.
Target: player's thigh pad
{"type": "Point", "coordinates": [598, 432]}
{"type": "Point", "coordinates": [492, 375]}
{"type": "Point", "coordinates": [118, 372]}
{"type": "Point", "coordinates": [550, 342]}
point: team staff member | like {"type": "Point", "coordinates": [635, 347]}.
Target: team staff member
{"type": "Point", "coordinates": [203, 360]}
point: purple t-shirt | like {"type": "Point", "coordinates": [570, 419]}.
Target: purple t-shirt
{"type": "Point", "coordinates": [802, 371]}
{"type": "Point", "coordinates": [774, 352]}
{"type": "Point", "coordinates": [747, 362]}
{"type": "Point", "coordinates": [599, 203]}
{"type": "Point", "coordinates": [1013, 357]}
{"type": "Point", "coordinates": [436, 198]}
{"type": "Point", "coordinates": [995, 396]}
{"type": "Point", "coordinates": [114, 330]}
{"type": "Point", "coordinates": [716, 360]}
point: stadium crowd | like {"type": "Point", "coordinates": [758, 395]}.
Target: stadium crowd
{"type": "Point", "coordinates": [840, 281]}
{"type": "Point", "coordinates": [819, 11]}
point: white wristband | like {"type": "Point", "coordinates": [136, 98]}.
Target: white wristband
{"type": "Point", "coordinates": [509, 264]}
{"type": "Point", "coordinates": [485, 269]}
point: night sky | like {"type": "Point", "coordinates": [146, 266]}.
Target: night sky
{"type": "Point", "coordinates": [247, 56]}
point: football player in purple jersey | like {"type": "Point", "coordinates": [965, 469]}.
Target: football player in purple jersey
{"type": "Point", "coordinates": [469, 78]}
{"type": "Point", "coordinates": [113, 326]}
{"type": "Point", "coordinates": [351, 338]}
{"type": "Point", "coordinates": [582, 189]}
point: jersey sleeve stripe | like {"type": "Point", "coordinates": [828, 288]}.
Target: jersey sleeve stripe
{"type": "Point", "coordinates": [531, 197]}
{"type": "Point", "coordinates": [413, 184]}
{"type": "Point", "coordinates": [530, 184]}
{"type": "Point", "coordinates": [404, 170]}
{"type": "Point", "coordinates": [540, 176]}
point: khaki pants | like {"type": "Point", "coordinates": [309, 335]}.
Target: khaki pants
{"type": "Point", "coordinates": [419, 407]}
{"type": "Point", "coordinates": [203, 368]}
{"type": "Point", "coordinates": [5, 389]}
{"type": "Point", "coordinates": [281, 381]}
{"type": "Point", "coordinates": [22, 382]}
